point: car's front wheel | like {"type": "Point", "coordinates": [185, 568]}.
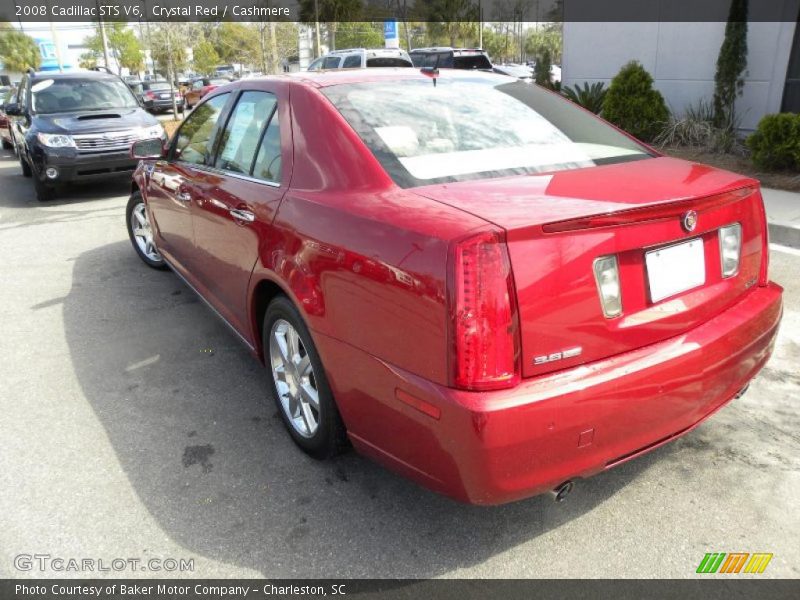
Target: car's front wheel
{"type": "Point", "coordinates": [26, 168]}
{"type": "Point", "coordinates": [44, 192]}
{"type": "Point", "coordinates": [141, 232]}
{"type": "Point", "coordinates": [299, 385]}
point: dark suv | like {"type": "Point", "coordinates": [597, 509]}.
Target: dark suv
{"type": "Point", "coordinates": [77, 126]}
{"type": "Point", "coordinates": [451, 58]}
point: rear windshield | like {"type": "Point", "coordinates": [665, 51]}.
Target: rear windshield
{"type": "Point", "coordinates": [472, 61]}
{"type": "Point", "coordinates": [69, 95]}
{"type": "Point", "coordinates": [158, 86]}
{"type": "Point", "coordinates": [462, 129]}
{"type": "Point", "coordinates": [388, 61]}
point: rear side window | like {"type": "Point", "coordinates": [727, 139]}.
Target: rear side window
{"type": "Point", "coordinates": [331, 62]}
{"type": "Point", "coordinates": [352, 61]}
{"type": "Point", "coordinates": [194, 140]}
{"type": "Point", "coordinates": [268, 161]}
{"type": "Point", "coordinates": [388, 61]}
{"type": "Point", "coordinates": [240, 138]}
{"type": "Point", "coordinates": [472, 61]}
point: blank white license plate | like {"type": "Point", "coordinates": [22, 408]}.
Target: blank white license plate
{"type": "Point", "coordinates": [165, 95]}
{"type": "Point", "coordinates": [675, 269]}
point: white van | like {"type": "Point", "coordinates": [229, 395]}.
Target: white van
{"type": "Point", "coordinates": [359, 58]}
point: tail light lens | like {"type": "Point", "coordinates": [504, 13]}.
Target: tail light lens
{"type": "Point", "coordinates": [149, 95]}
{"type": "Point", "coordinates": [484, 332]}
{"type": "Point", "coordinates": [606, 273]}
{"type": "Point", "coordinates": [730, 249]}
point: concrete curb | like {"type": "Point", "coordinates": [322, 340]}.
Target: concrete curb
{"type": "Point", "coordinates": [784, 235]}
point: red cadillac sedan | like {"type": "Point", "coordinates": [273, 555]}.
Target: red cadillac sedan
{"type": "Point", "coordinates": [475, 282]}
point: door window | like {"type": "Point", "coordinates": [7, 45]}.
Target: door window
{"type": "Point", "coordinates": [194, 141]}
{"type": "Point", "coordinates": [268, 161]}
{"type": "Point", "coordinates": [331, 62]}
{"type": "Point", "coordinates": [241, 135]}
{"type": "Point", "coordinates": [352, 61]}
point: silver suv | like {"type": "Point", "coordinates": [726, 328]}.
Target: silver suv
{"type": "Point", "coordinates": [359, 58]}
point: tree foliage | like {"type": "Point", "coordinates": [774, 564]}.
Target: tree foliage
{"type": "Point", "coordinates": [357, 34]}
{"type": "Point", "coordinates": [18, 51]}
{"type": "Point", "coordinates": [123, 46]}
{"type": "Point", "coordinates": [455, 22]}
{"type": "Point", "coordinates": [545, 38]}
{"type": "Point", "coordinates": [331, 12]}
{"type": "Point", "coordinates": [731, 64]}
{"type": "Point", "coordinates": [633, 104]}
{"type": "Point", "coordinates": [205, 58]}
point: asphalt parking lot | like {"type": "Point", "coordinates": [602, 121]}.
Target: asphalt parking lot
{"type": "Point", "coordinates": [133, 424]}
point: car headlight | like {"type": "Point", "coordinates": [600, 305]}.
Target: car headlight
{"type": "Point", "coordinates": [156, 131]}
{"type": "Point", "coordinates": [55, 140]}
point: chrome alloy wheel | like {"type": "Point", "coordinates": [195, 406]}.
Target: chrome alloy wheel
{"type": "Point", "coordinates": [294, 378]}
{"type": "Point", "coordinates": [143, 232]}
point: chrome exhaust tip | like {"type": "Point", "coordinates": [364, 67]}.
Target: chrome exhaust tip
{"type": "Point", "coordinates": [561, 492]}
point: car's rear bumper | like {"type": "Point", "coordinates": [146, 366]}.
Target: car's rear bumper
{"type": "Point", "coordinates": [495, 447]}
{"type": "Point", "coordinates": [162, 104]}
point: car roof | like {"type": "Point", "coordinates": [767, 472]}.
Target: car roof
{"type": "Point", "coordinates": [331, 77]}
{"type": "Point", "coordinates": [392, 51]}
{"type": "Point", "coordinates": [72, 74]}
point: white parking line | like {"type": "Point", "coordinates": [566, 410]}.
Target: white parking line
{"type": "Point", "coordinates": [784, 249]}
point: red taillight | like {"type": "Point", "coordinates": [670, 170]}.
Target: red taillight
{"type": "Point", "coordinates": [150, 95]}
{"type": "Point", "coordinates": [484, 332]}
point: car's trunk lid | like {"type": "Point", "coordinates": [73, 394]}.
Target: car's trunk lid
{"type": "Point", "coordinates": [635, 207]}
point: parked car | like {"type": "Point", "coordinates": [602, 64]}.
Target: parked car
{"type": "Point", "coordinates": [357, 58]}
{"type": "Point", "coordinates": [513, 70]}
{"type": "Point", "coordinates": [137, 87]}
{"type": "Point", "coordinates": [157, 97]}
{"type": "Point", "coordinates": [200, 87]}
{"type": "Point", "coordinates": [77, 126]}
{"type": "Point", "coordinates": [477, 283]}
{"type": "Point", "coordinates": [5, 122]}
{"type": "Point", "coordinates": [451, 58]}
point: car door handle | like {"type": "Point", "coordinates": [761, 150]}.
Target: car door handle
{"type": "Point", "coordinates": [184, 197]}
{"type": "Point", "coordinates": [242, 215]}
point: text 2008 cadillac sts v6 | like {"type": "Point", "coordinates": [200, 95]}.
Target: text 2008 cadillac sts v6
{"type": "Point", "coordinates": [476, 282]}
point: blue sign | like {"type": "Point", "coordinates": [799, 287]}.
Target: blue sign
{"type": "Point", "coordinates": [390, 37]}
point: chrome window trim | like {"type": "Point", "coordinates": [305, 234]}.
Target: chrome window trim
{"type": "Point", "coordinates": [215, 171]}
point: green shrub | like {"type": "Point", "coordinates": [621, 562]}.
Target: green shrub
{"type": "Point", "coordinates": [696, 129]}
{"type": "Point", "coordinates": [776, 142]}
{"type": "Point", "coordinates": [541, 72]}
{"type": "Point", "coordinates": [634, 105]}
{"type": "Point", "coordinates": [590, 97]}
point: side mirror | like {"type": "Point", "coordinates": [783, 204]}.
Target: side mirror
{"type": "Point", "coordinates": [152, 148]}
{"type": "Point", "coordinates": [13, 109]}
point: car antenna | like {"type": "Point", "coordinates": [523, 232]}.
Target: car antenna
{"type": "Point", "coordinates": [432, 72]}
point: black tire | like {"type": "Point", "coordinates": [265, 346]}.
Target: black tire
{"type": "Point", "coordinates": [330, 437]}
{"type": "Point", "coordinates": [26, 168]}
{"type": "Point", "coordinates": [44, 192]}
{"type": "Point", "coordinates": [133, 202]}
